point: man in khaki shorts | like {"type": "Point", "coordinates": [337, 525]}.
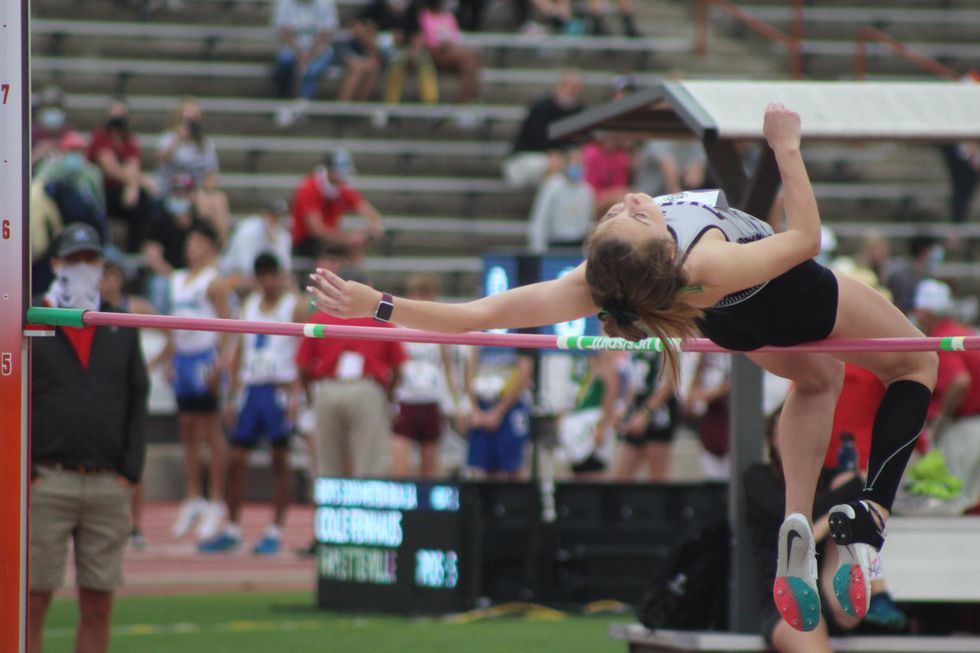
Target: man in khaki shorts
{"type": "Point", "coordinates": [88, 417]}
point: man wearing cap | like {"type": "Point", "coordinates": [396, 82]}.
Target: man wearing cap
{"type": "Point", "coordinates": [254, 235]}
{"type": "Point", "coordinates": [322, 199]}
{"type": "Point", "coordinates": [954, 416]}
{"type": "Point", "coordinates": [88, 416]}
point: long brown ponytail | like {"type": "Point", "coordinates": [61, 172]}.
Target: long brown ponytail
{"type": "Point", "coordinates": [639, 285]}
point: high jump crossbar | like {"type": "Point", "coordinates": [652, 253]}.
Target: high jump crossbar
{"type": "Point", "coordinates": [72, 317]}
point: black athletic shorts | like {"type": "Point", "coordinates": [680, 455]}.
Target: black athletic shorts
{"type": "Point", "coordinates": [663, 422]}
{"type": "Point", "coordinates": [798, 306]}
{"type": "Point", "coordinates": [199, 404]}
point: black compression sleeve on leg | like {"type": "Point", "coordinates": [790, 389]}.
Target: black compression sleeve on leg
{"type": "Point", "coordinates": [900, 417]}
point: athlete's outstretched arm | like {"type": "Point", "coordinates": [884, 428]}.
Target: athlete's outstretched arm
{"type": "Point", "coordinates": [537, 304]}
{"type": "Point", "coordinates": [743, 265]}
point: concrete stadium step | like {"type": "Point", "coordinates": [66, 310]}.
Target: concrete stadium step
{"type": "Point", "coordinates": [150, 76]}
{"type": "Point", "coordinates": [154, 113]}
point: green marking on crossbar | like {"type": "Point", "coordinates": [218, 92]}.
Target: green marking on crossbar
{"type": "Point", "coordinates": [71, 317]}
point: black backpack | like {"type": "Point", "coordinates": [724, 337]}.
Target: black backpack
{"type": "Point", "coordinates": [690, 590]}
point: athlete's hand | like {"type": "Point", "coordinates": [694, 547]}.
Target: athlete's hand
{"type": "Point", "coordinates": [340, 298]}
{"type": "Point", "coordinates": [781, 127]}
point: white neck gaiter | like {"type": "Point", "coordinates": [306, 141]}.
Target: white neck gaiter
{"type": "Point", "coordinates": [76, 286]}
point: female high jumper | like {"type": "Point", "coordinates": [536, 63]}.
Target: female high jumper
{"type": "Point", "coordinates": [679, 264]}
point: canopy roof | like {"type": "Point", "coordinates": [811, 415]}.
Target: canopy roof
{"type": "Point", "coordinates": [919, 111]}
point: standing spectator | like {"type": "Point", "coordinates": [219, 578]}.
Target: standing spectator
{"type": "Point", "coordinates": [198, 363]}
{"type": "Point", "coordinates": [75, 185]}
{"type": "Point", "coordinates": [322, 199]}
{"type": "Point", "coordinates": [254, 235]}
{"type": "Point", "coordinates": [706, 403]}
{"type": "Point", "coordinates": [88, 403]}
{"type": "Point", "coordinates": [903, 277]}
{"type": "Point", "coordinates": [586, 433]}
{"type": "Point", "coordinates": [50, 123]}
{"type": "Point", "coordinates": [563, 208]}
{"type": "Point", "coordinates": [498, 382]}
{"type": "Point", "coordinates": [963, 164]}
{"type": "Point", "coordinates": [351, 383]}
{"type": "Point", "coordinates": [186, 150]}
{"type": "Point", "coordinates": [113, 292]}
{"type": "Point", "coordinates": [598, 28]}
{"type": "Point", "coordinates": [608, 167]}
{"type": "Point", "coordinates": [530, 161]}
{"type": "Point", "coordinates": [265, 373]}
{"type": "Point", "coordinates": [954, 416]}
{"type": "Point", "coordinates": [441, 35]}
{"type": "Point", "coordinates": [648, 427]}
{"type": "Point", "coordinates": [306, 28]}
{"type": "Point", "coordinates": [668, 167]}
{"type": "Point", "coordinates": [114, 149]}
{"type": "Point", "coordinates": [163, 249]}
{"type": "Point", "coordinates": [428, 380]}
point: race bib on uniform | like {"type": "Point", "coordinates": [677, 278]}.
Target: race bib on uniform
{"type": "Point", "coordinates": [350, 365]}
{"type": "Point", "coordinates": [714, 197]}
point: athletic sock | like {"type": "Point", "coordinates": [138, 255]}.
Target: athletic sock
{"type": "Point", "coordinates": [898, 422]}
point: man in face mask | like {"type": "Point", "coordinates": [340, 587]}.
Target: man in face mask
{"type": "Point", "coordinates": [322, 199]}
{"type": "Point", "coordinates": [50, 123]}
{"type": "Point", "coordinates": [561, 214]}
{"type": "Point", "coordinates": [88, 398]}
{"type": "Point", "coordinates": [115, 150]}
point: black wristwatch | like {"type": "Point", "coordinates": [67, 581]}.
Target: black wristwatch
{"type": "Point", "coordinates": [385, 307]}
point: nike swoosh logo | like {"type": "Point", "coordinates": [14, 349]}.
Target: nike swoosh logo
{"type": "Point", "coordinates": [789, 544]}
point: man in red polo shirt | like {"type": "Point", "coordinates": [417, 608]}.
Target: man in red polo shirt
{"type": "Point", "coordinates": [350, 385]}
{"type": "Point", "coordinates": [954, 417]}
{"type": "Point", "coordinates": [322, 199]}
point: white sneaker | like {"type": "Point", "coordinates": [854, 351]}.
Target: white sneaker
{"type": "Point", "coordinates": [212, 520]}
{"type": "Point", "coordinates": [190, 511]}
{"type": "Point", "coordinates": [795, 588]}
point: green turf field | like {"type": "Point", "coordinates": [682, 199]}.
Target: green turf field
{"type": "Point", "coordinates": [286, 623]}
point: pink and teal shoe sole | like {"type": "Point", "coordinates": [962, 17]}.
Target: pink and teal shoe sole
{"type": "Point", "coordinates": [851, 590]}
{"type": "Point", "coordinates": [797, 602]}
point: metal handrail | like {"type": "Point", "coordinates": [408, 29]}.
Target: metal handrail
{"type": "Point", "coordinates": [791, 41]}
{"type": "Point", "coordinates": [867, 34]}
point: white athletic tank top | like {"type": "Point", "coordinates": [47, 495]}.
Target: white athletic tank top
{"type": "Point", "coordinates": [691, 214]}
{"type": "Point", "coordinates": [423, 378]}
{"type": "Point", "coordinates": [268, 359]}
{"type": "Point", "coordinates": [189, 298]}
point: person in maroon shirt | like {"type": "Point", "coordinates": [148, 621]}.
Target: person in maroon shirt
{"type": "Point", "coordinates": [350, 385]}
{"type": "Point", "coordinates": [113, 147]}
{"type": "Point", "coordinates": [954, 415]}
{"type": "Point", "coordinates": [322, 199]}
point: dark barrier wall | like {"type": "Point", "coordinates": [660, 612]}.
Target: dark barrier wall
{"type": "Point", "coordinates": [423, 548]}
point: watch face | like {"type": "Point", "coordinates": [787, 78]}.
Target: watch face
{"type": "Point", "coordinates": [384, 311]}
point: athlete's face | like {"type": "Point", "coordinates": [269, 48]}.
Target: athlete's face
{"type": "Point", "coordinates": [637, 218]}
{"type": "Point", "coordinates": [270, 283]}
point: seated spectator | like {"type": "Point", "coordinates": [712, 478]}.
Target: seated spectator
{"type": "Point", "coordinates": [531, 160]}
{"type": "Point", "coordinates": [322, 199]}
{"type": "Point", "coordinates": [608, 166]}
{"type": "Point", "coordinates": [254, 235]}
{"type": "Point", "coordinates": [385, 32]}
{"type": "Point", "coordinates": [115, 150]}
{"type": "Point", "coordinates": [441, 35]}
{"type": "Point", "coordinates": [954, 417]}
{"type": "Point", "coordinates": [765, 488]}
{"type": "Point", "coordinates": [163, 249]}
{"type": "Point", "coordinates": [563, 208]}
{"type": "Point", "coordinates": [597, 24]}
{"type": "Point", "coordinates": [903, 277]}
{"type": "Point", "coordinates": [75, 185]}
{"type": "Point", "coordinates": [186, 150]}
{"type": "Point", "coordinates": [306, 28]}
{"type": "Point", "coordinates": [49, 124]}
{"type": "Point", "coordinates": [668, 167]}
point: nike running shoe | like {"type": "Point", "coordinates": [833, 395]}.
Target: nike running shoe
{"type": "Point", "coordinates": [795, 589]}
{"type": "Point", "coordinates": [859, 540]}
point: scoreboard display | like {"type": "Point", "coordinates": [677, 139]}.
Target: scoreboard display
{"type": "Point", "coordinates": [393, 546]}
